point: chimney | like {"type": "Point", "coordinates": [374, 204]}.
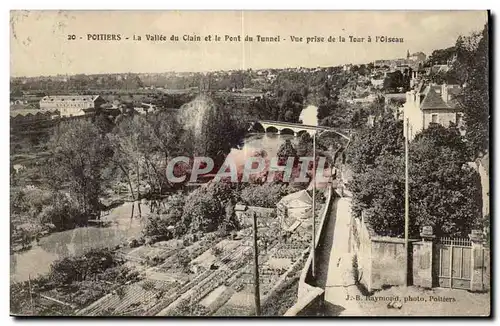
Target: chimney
{"type": "Point", "coordinates": [444, 92]}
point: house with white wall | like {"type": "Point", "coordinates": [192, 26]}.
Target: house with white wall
{"type": "Point", "coordinates": [433, 104]}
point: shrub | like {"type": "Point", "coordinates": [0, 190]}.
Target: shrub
{"type": "Point", "coordinates": [78, 268]}
{"type": "Point", "coordinates": [265, 195]}
{"type": "Point", "coordinates": [205, 207]}
{"type": "Point", "coordinates": [157, 227]}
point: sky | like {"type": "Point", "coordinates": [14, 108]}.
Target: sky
{"type": "Point", "coordinates": [39, 43]}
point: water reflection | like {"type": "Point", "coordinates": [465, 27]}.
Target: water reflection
{"type": "Point", "coordinates": [38, 259]}
{"type": "Point", "coordinates": [256, 142]}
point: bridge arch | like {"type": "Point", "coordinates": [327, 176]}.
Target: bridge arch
{"type": "Point", "coordinates": [287, 131]}
{"type": "Point", "coordinates": [272, 129]}
{"type": "Point", "coordinates": [257, 127]}
{"type": "Point", "coordinates": [301, 132]}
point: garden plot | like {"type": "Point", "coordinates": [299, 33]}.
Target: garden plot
{"type": "Point", "coordinates": [279, 263]}
{"type": "Point", "coordinates": [134, 299]}
{"type": "Point", "coordinates": [240, 304]}
{"type": "Point", "coordinates": [147, 251]}
{"type": "Point", "coordinates": [221, 283]}
{"type": "Point", "coordinates": [213, 296]}
{"type": "Point", "coordinates": [153, 274]}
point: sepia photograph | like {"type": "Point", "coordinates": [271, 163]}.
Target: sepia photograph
{"type": "Point", "coordinates": [249, 163]}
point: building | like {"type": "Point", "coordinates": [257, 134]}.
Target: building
{"type": "Point", "coordinates": [377, 83]}
{"type": "Point", "coordinates": [72, 105]}
{"type": "Point", "coordinates": [293, 208]}
{"type": "Point", "coordinates": [363, 100]}
{"type": "Point", "coordinates": [381, 63]}
{"type": "Point", "coordinates": [435, 104]}
{"type": "Point", "coordinates": [22, 114]}
{"type": "Point", "coordinates": [417, 56]}
{"type": "Point", "coordinates": [31, 116]}
{"type": "Point", "coordinates": [145, 108]}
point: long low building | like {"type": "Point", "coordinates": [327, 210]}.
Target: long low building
{"type": "Point", "coordinates": [72, 105]}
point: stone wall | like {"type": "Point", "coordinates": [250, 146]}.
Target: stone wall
{"type": "Point", "coordinates": [310, 299]}
{"type": "Point", "coordinates": [388, 262]}
{"type": "Point", "coordinates": [381, 260]}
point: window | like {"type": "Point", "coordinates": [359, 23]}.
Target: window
{"type": "Point", "coordinates": [434, 118]}
{"type": "Point", "coordinates": [459, 119]}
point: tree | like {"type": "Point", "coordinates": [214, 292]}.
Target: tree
{"type": "Point", "coordinates": [441, 56]}
{"type": "Point", "coordinates": [127, 141]}
{"type": "Point", "coordinates": [211, 128]}
{"type": "Point", "coordinates": [445, 191]}
{"type": "Point", "coordinates": [62, 212]}
{"type": "Point", "coordinates": [265, 195]}
{"type": "Point", "coordinates": [162, 139]}
{"type": "Point", "coordinates": [393, 81]}
{"type": "Point", "coordinates": [377, 108]}
{"type": "Point", "coordinates": [287, 150]}
{"type": "Point", "coordinates": [79, 268]}
{"type": "Point", "coordinates": [304, 147]}
{"type": "Point", "coordinates": [204, 209]}
{"type": "Point", "coordinates": [385, 137]}
{"type": "Point", "coordinates": [472, 67]}
{"type": "Point", "coordinates": [379, 192]}
{"type": "Point", "coordinates": [79, 154]}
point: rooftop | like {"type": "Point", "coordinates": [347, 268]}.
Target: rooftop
{"type": "Point", "coordinates": [434, 100]}
{"type": "Point", "coordinates": [61, 98]}
{"type": "Point", "coordinates": [26, 112]}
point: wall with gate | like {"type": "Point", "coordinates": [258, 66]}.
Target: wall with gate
{"type": "Point", "coordinates": [445, 262]}
{"type": "Point", "coordinates": [451, 262]}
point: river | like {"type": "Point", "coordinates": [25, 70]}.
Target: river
{"type": "Point", "coordinates": [38, 259]}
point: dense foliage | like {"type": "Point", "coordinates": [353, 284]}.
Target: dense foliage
{"type": "Point", "coordinates": [265, 195]}
{"type": "Point", "coordinates": [80, 268]}
{"type": "Point", "coordinates": [444, 191]}
{"type": "Point", "coordinates": [205, 207]}
{"type": "Point", "coordinates": [473, 70]}
{"type": "Point", "coordinates": [79, 154]}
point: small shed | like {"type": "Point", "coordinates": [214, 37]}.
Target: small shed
{"type": "Point", "coordinates": [293, 207]}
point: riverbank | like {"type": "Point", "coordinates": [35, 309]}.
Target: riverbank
{"type": "Point", "coordinates": [37, 260]}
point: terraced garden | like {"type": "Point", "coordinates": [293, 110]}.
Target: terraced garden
{"type": "Point", "coordinates": [208, 277]}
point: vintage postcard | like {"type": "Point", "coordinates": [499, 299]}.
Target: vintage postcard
{"type": "Point", "coordinates": [249, 163]}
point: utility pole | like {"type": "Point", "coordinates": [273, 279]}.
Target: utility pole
{"type": "Point", "coordinates": [31, 294]}
{"type": "Point", "coordinates": [313, 250]}
{"type": "Point", "coordinates": [256, 266]}
{"type": "Point", "coordinates": [407, 201]}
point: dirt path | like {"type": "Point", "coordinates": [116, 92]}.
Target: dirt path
{"type": "Point", "coordinates": [339, 280]}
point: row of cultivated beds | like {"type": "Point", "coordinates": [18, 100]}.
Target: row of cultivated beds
{"type": "Point", "coordinates": [229, 277]}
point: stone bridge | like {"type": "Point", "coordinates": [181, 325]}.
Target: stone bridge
{"type": "Point", "coordinates": [295, 129]}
